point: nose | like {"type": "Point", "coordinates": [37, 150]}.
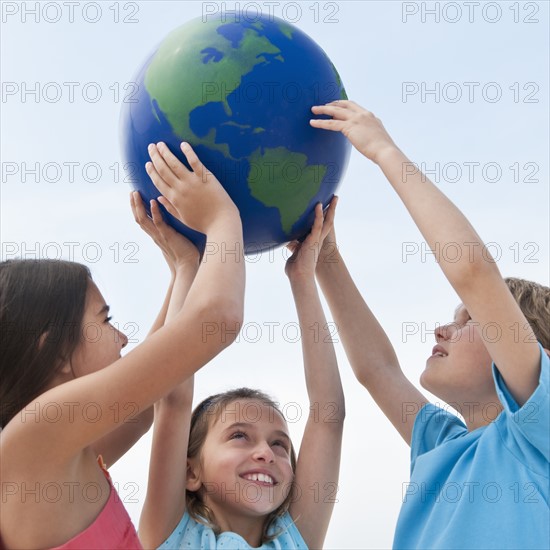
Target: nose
{"type": "Point", "coordinates": [123, 338]}
{"type": "Point", "coordinates": [264, 453]}
{"type": "Point", "coordinates": [444, 332]}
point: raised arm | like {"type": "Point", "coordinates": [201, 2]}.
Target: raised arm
{"type": "Point", "coordinates": [165, 499]}
{"type": "Point", "coordinates": [183, 345]}
{"type": "Point", "coordinates": [318, 462]}
{"type": "Point", "coordinates": [473, 272]}
{"type": "Point", "coordinates": [369, 350]}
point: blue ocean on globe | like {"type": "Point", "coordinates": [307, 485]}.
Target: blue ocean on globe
{"type": "Point", "coordinates": [240, 92]}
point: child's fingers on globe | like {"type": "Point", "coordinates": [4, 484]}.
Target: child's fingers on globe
{"type": "Point", "coordinates": [349, 104]}
{"type": "Point", "coordinates": [156, 214]}
{"type": "Point", "coordinates": [163, 229]}
{"type": "Point", "coordinates": [138, 209]}
{"type": "Point", "coordinates": [168, 205]}
{"type": "Point", "coordinates": [133, 205]}
{"type": "Point", "coordinates": [328, 124]}
{"type": "Point", "coordinates": [331, 211]}
{"type": "Point", "coordinates": [315, 231]}
{"type": "Point", "coordinates": [163, 169]}
{"type": "Point", "coordinates": [135, 198]}
{"type": "Point", "coordinates": [329, 109]}
{"type": "Point", "coordinates": [171, 160]}
{"type": "Point", "coordinates": [342, 103]}
{"type": "Point", "coordinates": [162, 185]}
{"type": "Point", "coordinates": [191, 157]}
{"type": "Point", "coordinates": [159, 164]}
{"type": "Point", "coordinates": [317, 222]}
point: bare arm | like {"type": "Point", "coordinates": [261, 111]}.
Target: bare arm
{"type": "Point", "coordinates": [165, 499]}
{"type": "Point", "coordinates": [130, 430]}
{"type": "Point", "coordinates": [318, 465]}
{"type": "Point", "coordinates": [369, 350]}
{"type": "Point", "coordinates": [474, 276]}
{"type": "Point", "coordinates": [174, 352]}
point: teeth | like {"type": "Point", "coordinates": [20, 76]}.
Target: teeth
{"type": "Point", "coordinates": [259, 477]}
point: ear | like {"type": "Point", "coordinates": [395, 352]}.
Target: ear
{"type": "Point", "coordinates": [193, 479]}
{"type": "Point", "coordinates": [66, 368]}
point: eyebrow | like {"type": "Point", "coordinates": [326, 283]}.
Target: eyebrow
{"type": "Point", "coordinates": [280, 433]}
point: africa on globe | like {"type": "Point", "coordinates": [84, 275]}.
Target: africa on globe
{"type": "Point", "coordinates": [240, 92]}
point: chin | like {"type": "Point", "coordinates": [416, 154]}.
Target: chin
{"type": "Point", "coordinates": [424, 382]}
{"type": "Point", "coordinates": [429, 385]}
{"type": "Point", "coordinates": [265, 508]}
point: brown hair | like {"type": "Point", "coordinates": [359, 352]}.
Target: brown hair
{"type": "Point", "coordinates": [534, 302]}
{"type": "Point", "coordinates": [41, 309]}
{"type": "Point", "coordinates": [204, 415]}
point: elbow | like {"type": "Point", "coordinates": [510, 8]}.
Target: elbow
{"type": "Point", "coordinates": [473, 268]}
{"type": "Point", "coordinates": [223, 319]}
{"type": "Point", "coordinates": [334, 413]}
{"type": "Point", "coordinates": [145, 421]}
{"type": "Point", "coordinates": [232, 317]}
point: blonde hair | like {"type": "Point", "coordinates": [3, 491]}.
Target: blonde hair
{"type": "Point", "coordinates": [534, 302]}
{"type": "Point", "coordinates": [204, 416]}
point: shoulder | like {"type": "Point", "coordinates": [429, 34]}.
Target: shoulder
{"type": "Point", "coordinates": [539, 396]}
{"type": "Point", "coordinates": [526, 427]}
{"type": "Point", "coordinates": [434, 426]}
{"type": "Point", "coordinates": [187, 531]}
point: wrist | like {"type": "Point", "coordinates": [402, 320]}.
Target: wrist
{"type": "Point", "coordinates": [180, 396]}
{"type": "Point", "coordinates": [302, 279]}
{"type": "Point", "coordinates": [386, 153]}
{"type": "Point", "coordinates": [227, 221]}
{"type": "Point", "coordinates": [328, 261]}
{"type": "Point", "coordinates": [185, 265]}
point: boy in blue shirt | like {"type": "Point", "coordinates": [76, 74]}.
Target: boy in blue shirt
{"type": "Point", "coordinates": [483, 483]}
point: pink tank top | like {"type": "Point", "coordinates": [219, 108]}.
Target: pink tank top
{"type": "Point", "coordinates": [112, 529]}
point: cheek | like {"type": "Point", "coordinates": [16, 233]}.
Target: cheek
{"type": "Point", "coordinates": [479, 351]}
{"type": "Point", "coordinates": [286, 468]}
{"type": "Point", "coordinates": [218, 461]}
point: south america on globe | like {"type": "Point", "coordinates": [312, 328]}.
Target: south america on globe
{"type": "Point", "coordinates": [240, 92]}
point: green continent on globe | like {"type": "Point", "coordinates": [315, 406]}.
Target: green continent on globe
{"type": "Point", "coordinates": [283, 179]}
{"type": "Point", "coordinates": [208, 68]}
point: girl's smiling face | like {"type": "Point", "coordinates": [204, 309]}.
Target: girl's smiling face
{"type": "Point", "coordinates": [244, 468]}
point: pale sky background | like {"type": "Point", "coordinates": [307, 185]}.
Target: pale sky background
{"type": "Point", "coordinates": [377, 47]}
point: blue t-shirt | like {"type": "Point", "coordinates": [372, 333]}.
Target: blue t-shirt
{"type": "Point", "coordinates": [189, 534]}
{"type": "Point", "coordinates": [484, 489]}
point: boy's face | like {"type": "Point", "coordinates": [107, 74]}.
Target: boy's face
{"type": "Point", "coordinates": [459, 369]}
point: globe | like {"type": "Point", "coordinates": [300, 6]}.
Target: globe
{"type": "Point", "coordinates": [240, 92]}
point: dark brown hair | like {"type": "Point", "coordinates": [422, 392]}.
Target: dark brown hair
{"type": "Point", "coordinates": [203, 417]}
{"type": "Point", "coordinates": [41, 309]}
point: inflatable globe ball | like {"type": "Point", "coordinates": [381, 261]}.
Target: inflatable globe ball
{"type": "Point", "coordinates": [241, 94]}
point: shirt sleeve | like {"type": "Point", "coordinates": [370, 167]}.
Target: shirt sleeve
{"type": "Point", "coordinates": [432, 427]}
{"type": "Point", "coordinates": [529, 424]}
